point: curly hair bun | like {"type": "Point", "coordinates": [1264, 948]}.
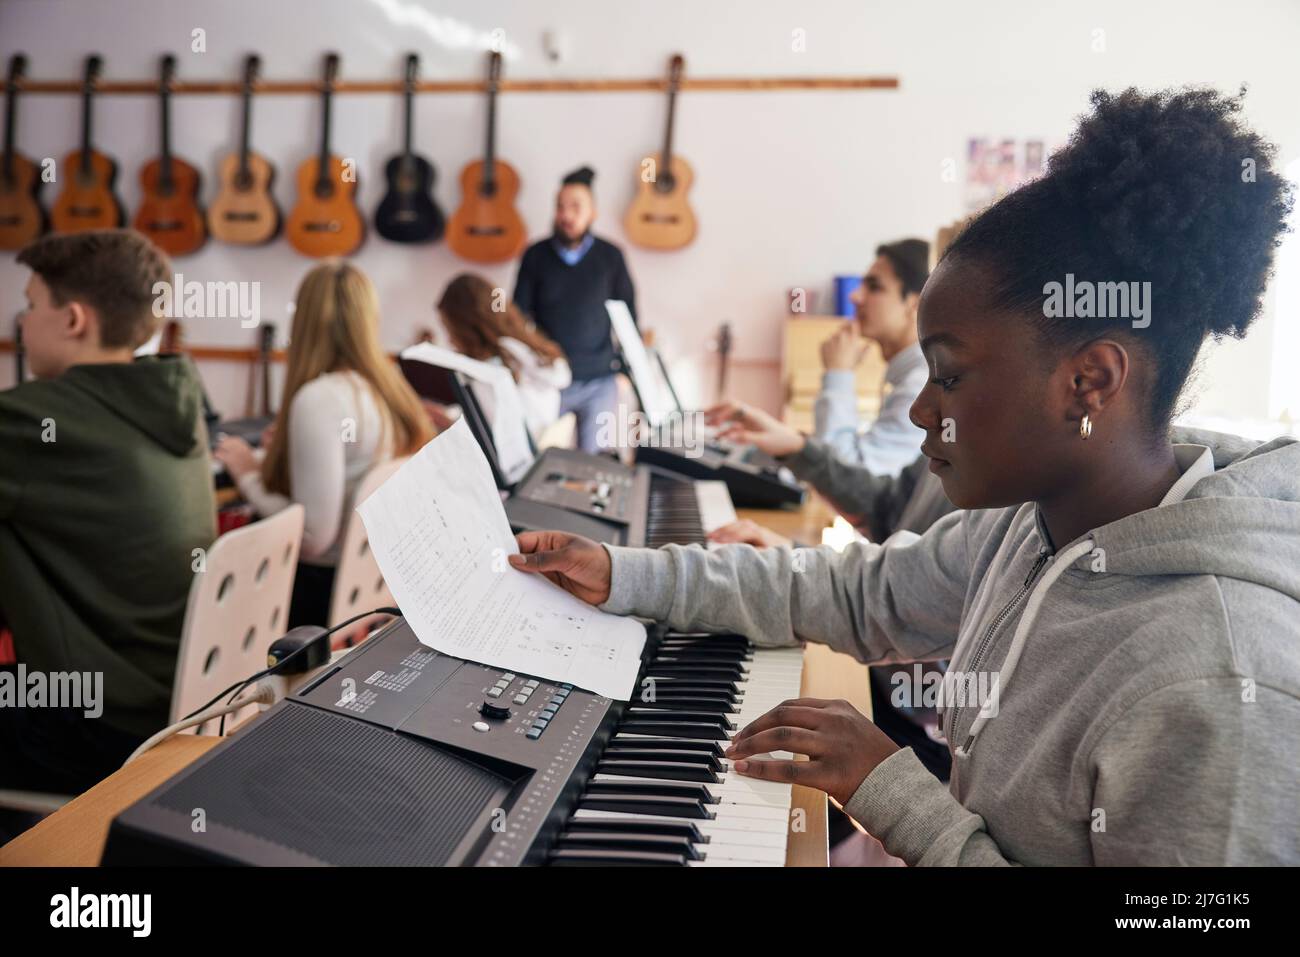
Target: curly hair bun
{"type": "Point", "coordinates": [1178, 191]}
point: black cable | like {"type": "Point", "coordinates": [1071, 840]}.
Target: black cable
{"type": "Point", "coordinates": [221, 728]}
{"type": "Point", "coordinates": [240, 685]}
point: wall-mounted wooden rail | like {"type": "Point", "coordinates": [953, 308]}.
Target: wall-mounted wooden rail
{"type": "Point", "coordinates": [701, 84]}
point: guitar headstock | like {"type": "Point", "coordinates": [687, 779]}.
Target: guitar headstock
{"type": "Point", "coordinates": [94, 64]}
{"type": "Point", "coordinates": [17, 71]}
{"type": "Point", "coordinates": [412, 72]}
{"type": "Point", "coordinates": [494, 71]}
{"type": "Point", "coordinates": [252, 71]}
{"type": "Point", "coordinates": [676, 67]}
{"type": "Point", "coordinates": [167, 74]}
{"type": "Point", "coordinates": [331, 72]}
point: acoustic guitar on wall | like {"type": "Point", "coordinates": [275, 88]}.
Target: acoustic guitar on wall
{"type": "Point", "coordinates": [21, 216]}
{"type": "Point", "coordinates": [169, 213]}
{"type": "Point", "coordinates": [408, 212]}
{"type": "Point", "coordinates": [487, 228]}
{"type": "Point", "coordinates": [660, 217]}
{"type": "Point", "coordinates": [325, 221]}
{"type": "Point", "coordinates": [87, 200]}
{"type": "Point", "coordinates": [244, 211]}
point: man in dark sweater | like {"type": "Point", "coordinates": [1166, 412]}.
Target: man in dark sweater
{"type": "Point", "coordinates": [563, 283]}
{"type": "Point", "coordinates": [105, 503]}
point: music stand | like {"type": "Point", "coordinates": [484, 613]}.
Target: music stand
{"type": "Point", "coordinates": [449, 387]}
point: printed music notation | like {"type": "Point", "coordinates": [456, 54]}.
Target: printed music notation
{"type": "Point", "coordinates": [441, 537]}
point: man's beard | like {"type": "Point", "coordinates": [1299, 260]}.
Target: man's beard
{"type": "Point", "coordinates": [574, 242]}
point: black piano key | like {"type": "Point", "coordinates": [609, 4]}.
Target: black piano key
{"type": "Point", "coordinates": [631, 842]}
{"type": "Point", "coordinates": [642, 826]}
{"type": "Point", "coordinates": [680, 715]}
{"type": "Point", "coordinates": [712, 706]}
{"type": "Point", "coordinates": [667, 770]}
{"type": "Point", "coordinates": [700, 792]}
{"type": "Point", "coordinates": [593, 857]}
{"type": "Point", "coordinates": [665, 756]}
{"type": "Point", "coordinates": [665, 806]}
{"type": "Point", "coordinates": [686, 681]}
{"type": "Point", "coordinates": [668, 744]}
{"type": "Point", "coordinates": [696, 730]}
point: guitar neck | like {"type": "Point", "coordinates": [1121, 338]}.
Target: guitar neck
{"type": "Point", "coordinates": [244, 128]}
{"type": "Point", "coordinates": [165, 102]}
{"type": "Point", "coordinates": [85, 129]}
{"type": "Point", "coordinates": [11, 114]}
{"type": "Point", "coordinates": [490, 149]}
{"type": "Point", "coordinates": [666, 156]}
{"type": "Point", "coordinates": [323, 176]}
{"type": "Point", "coordinates": [409, 120]}
{"type": "Point", "coordinates": [268, 341]}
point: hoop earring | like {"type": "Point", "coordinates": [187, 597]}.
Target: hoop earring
{"type": "Point", "coordinates": [1085, 427]}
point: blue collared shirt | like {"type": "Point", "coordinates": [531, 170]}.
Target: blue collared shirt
{"type": "Point", "coordinates": [573, 255]}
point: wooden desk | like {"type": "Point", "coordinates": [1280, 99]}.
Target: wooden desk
{"type": "Point", "coordinates": [826, 674]}
{"type": "Point", "coordinates": [74, 835]}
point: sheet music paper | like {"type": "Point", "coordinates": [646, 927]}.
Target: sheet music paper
{"type": "Point", "coordinates": [509, 431]}
{"type": "Point", "coordinates": [656, 399]}
{"type": "Point", "coordinates": [441, 537]}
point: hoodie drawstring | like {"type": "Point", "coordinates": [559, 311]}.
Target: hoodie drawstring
{"type": "Point", "coordinates": [1054, 571]}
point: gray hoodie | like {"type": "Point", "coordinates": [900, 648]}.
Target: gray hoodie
{"type": "Point", "coordinates": [1144, 680]}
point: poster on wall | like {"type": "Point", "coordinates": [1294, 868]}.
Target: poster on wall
{"type": "Point", "coordinates": [996, 167]}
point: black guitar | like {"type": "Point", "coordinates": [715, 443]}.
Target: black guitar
{"type": "Point", "coordinates": [408, 213]}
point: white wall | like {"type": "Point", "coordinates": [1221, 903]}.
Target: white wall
{"type": "Point", "coordinates": [792, 187]}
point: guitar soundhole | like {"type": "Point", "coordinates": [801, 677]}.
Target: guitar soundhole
{"type": "Point", "coordinates": [487, 189]}
{"type": "Point", "coordinates": [324, 190]}
{"type": "Point", "coordinates": [243, 181]}
{"type": "Point", "coordinates": [665, 182]}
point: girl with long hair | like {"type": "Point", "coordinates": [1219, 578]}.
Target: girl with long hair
{"type": "Point", "coordinates": [345, 409]}
{"type": "Point", "coordinates": [482, 324]}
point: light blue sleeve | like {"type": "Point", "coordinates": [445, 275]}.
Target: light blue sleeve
{"type": "Point", "coordinates": [835, 414]}
{"type": "Point", "coordinates": [891, 444]}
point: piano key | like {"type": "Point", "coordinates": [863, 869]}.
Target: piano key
{"type": "Point", "coordinates": [606, 784]}
{"type": "Point", "coordinates": [591, 857]}
{"type": "Point", "coordinates": [662, 806]}
{"type": "Point", "coordinates": [667, 770]}
{"type": "Point", "coordinates": [631, 842]}
{"type": "Point", "coordinates": [686, 829]}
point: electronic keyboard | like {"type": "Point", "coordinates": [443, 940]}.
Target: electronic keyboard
{"type": "Point", "coordinates": [601, 498]}
{"type": "Point", "coordinates": [399, 755]}
{"type": "Point", "coordinates": [754, 478]}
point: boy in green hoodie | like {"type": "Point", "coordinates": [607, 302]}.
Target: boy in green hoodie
{"type": "Point", "coordinates": [105, 500]}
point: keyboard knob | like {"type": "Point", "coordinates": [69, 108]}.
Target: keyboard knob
{"type": "Point", "coordinates": [490, 710]}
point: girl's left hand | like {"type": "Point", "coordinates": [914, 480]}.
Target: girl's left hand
{"type": "Point", "coordinates": [236, 455]}
{"type": "Point", "coordinates": [842, 745]}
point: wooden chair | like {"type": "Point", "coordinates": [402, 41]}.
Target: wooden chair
{"type": "Point", "coordinates": [358, 583]}
{"type": "Point", "coordinates": [237, 606]}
